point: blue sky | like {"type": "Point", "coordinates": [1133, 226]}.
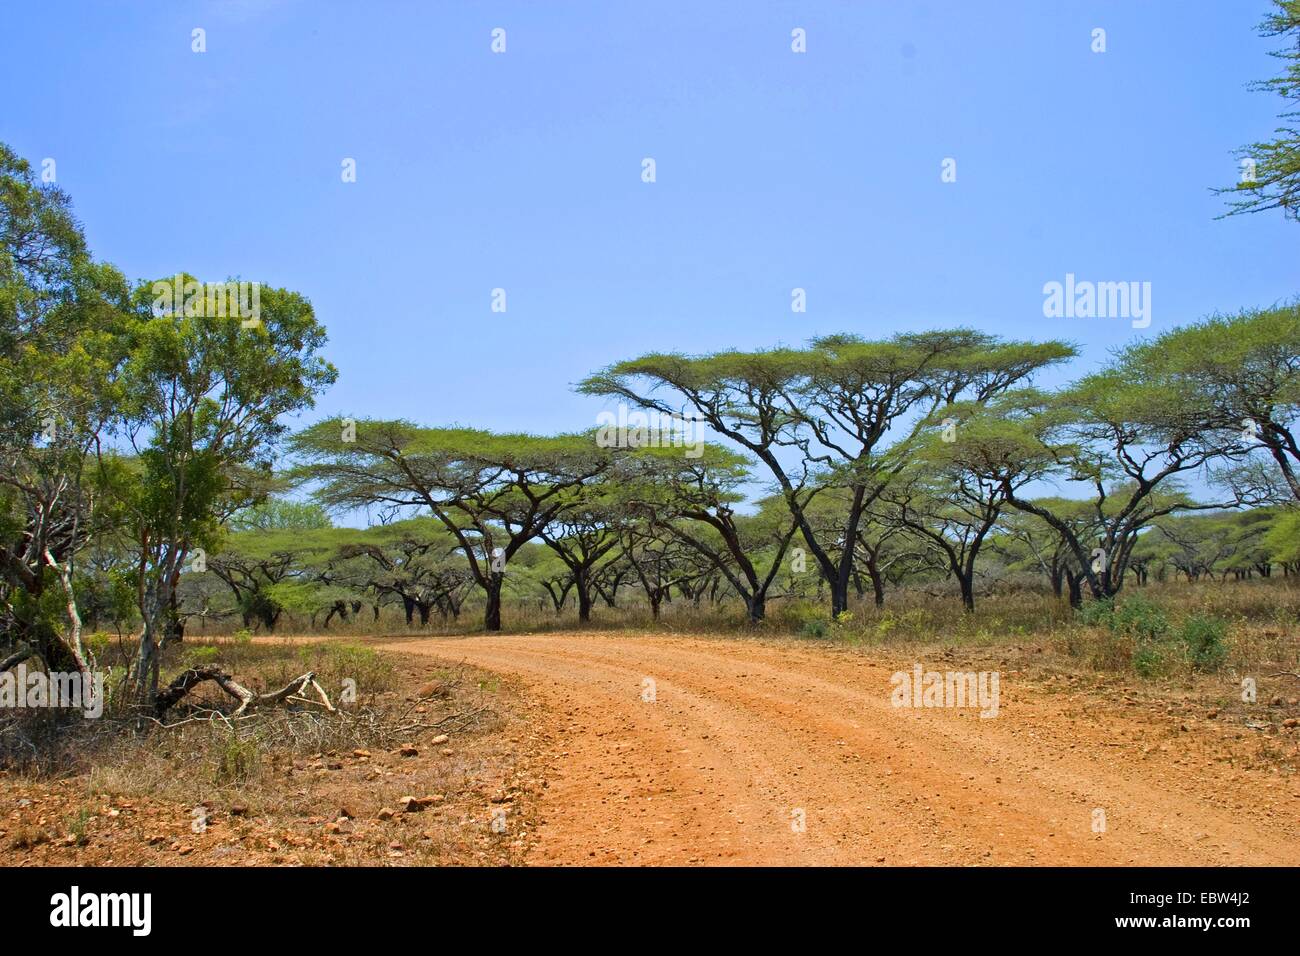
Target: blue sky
{"type": "Point", "coordinates": [775, 170]}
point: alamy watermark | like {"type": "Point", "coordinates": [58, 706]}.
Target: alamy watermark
{"type": "Point", "coordinates": [209, 300]}
{"type": "Point", "coordinates": [75, 908]}
{"type": "Point", "coordinates": [641, 429]}
{"type": "Point", "coordinates": [23, 689]}
{"type": "Point", "coordinates": [922, 688]}
{"type": "Point", "coordinates": [1074, 299]}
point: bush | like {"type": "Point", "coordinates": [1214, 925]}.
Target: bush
{"type": "Point", "coordinates": [1147, 660]}
{"type": "Point", "coordinates": [1201, 640]}
{"type": "Point", "coordinates": [1136, 621]}
{"type": "Point", "coordinates": [236, 761]}
{"type": "Point", "coordinates": [197, 655]}
{"type": "Point", "coordinates": [815, 628]}
{"type": "Point", "coordinates": [1098, 613]}
{"type": "Point", "coordinates": [1205, 638]}
{"type": "Point", "coordinates": [1140, 618]}
{"type": "Point", "coordinates": [336, 662]}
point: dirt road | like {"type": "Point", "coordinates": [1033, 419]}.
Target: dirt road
{"type": "Point", "coordinates": [698, 751]}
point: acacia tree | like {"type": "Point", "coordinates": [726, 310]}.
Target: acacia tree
{"type": "Point", "coordinates": [492, 492]}
{"type": "Point", "coordinates": [1275, 164]}
{"type": "Point", "coordinates": [271, 543]}
{"type": "Point", "coordinates": [1240, 375]}
{"type": "Point", "coordinates": [660, 561]}
{"type": "Point", "coordinates": [583, 535]}
{"type": "Point", "coordinates": [409, 560]}
{"type": "Point", "coordinates": [1127, 433]}
{"type": "Point", "coordinates": [953, 491]}
{"type": "Point", "coordinates": [695, 500]}
{"type": "Point", "coordinates": [842, 413]}
{"type": "Point", "coordinates": [1043, 545]}
{"type": "Point", "coordinates": [203, 405]}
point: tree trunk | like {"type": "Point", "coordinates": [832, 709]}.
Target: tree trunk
{"type": "Point", "coordinates": [492, 613]}
{"type": "Point", "coordinates": [967, 583]}
{"type": "Point", "coordinates": [877, 582]}
{"type": "Point", "coordinates": [1076, 592]}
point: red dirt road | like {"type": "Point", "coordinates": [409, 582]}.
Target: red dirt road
{"type": "Point", "coordinates": [743, 740]}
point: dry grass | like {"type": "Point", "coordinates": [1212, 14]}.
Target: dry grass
{"type": "Point", "coordinates": [280, 785]}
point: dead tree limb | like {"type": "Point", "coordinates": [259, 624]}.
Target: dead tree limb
{"type": "Point", "coordinates": [188, 680]}
{"type": "Point", "coordinates": [17, 657]}
{"type": "Point", "coordinates": [73, 640]}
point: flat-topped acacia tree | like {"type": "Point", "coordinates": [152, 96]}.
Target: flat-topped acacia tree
{"type": "Point", "coordinates": [583, 535]}
{"type": "Point", "coordinates": [1240, 376]}
{"type": "Point", "coordinates": [492, 492]}
{"type": "Point", "coordinates": [841, 413]}
{"type": "Point", "coordinates": [1127, 433]}
{"type": "Point", "coordinates": [694, 499]}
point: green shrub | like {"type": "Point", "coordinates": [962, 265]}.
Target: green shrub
{"type": "Point", "coordinates": [337, 661]}
{"type": "Point", "coordinates": [1148, 660]}
{"type": "Point", "coordinates": [198, 654]}
{"type": "Point", "coordinates": [815, 628]}
{"type": "Point", "coordinates": [99, 643]}
{"type": "Point", "coordinates": [1137, 622]}
{"type": "Point", "coordinates": [236, 761]}
{"type": "Point", "coordinates": [1205, 638]}
{"type": "Point", "coordinates": [1098, 613]}
{"type": "Point", "coordinates": [1140, 618]}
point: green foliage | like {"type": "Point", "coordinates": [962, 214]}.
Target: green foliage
{"type": "Point", "coordinates": [337, 661]}
{"type": "Point", "coordinates": [1141, 618]}
{"type": "Point", "coordinates": [1276, 182]}
{"type": "Point", "coordinates": [237, 760]}
{"type": "Point", "coordinates": [199, 654]}
{"type": "Point", "coordinates": [1154, 647]}
{"type": "Point", "coordinates": [1099, 612]}
{"type": "Point", "coordinates": [815, 627]}
{"type": "Point", "coordinates": [1205, 638]}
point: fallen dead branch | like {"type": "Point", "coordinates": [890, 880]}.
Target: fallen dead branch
{"type": "Point", "coordinates": [291, 692]}
{"type": "Point", "coordinates": [17, 657]}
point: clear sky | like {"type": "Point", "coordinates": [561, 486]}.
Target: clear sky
{"type": "Point", "coordinates": [775, 170]}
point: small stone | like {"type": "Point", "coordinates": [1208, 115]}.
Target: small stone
{"type": "Point", "coordinates": [440, 739]}
{"type": "Point", "coordinates": [385, 814]}
{"type": "Point", "coordinates": [409, 751]}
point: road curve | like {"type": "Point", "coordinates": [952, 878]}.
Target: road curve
{"type": "Point", "coordinates": [771, 753]}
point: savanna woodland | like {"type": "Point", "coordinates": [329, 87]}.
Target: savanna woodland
{"type": "Point", "coordinates": [168, 502]}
